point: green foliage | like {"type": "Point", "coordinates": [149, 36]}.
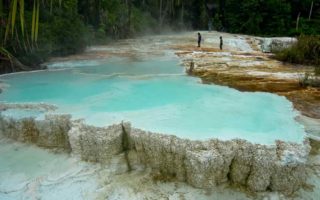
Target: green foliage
{"type": "Point", "coordinates": [56, 30]}
{"type": "Point", "coordinates": [309, 80]}
{"type": "Point", "coordinates": [308, 27]}
{"type": "Point", "coordinates": [203, 19]}
{"type": "Point", "coordinates": [142, 22]}
{"type": "Point", "coordinates": [67, 35]}
{"type": "Point", "coordinates": [99, 35]}
{"type": "Point", "coordinates": [271, 17]}
{"type": "Point", "coordinates": [60, 27]}
{"type": "Point", "coordinates": [305, 51]}
{"type": "Point", "coordinates": [116, 18]}
{"type": "Point", "coordinates": [276, 16]}
{"type": "Point", "coordinates": [217, 24]}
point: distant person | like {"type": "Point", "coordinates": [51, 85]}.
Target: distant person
{"type": "Point", "coordinates": [199, 39]}
{"type": "Point", "coordinates": [221, 42]}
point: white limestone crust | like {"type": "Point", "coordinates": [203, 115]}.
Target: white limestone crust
{"type": "Point", "coordinates": [202, 164]}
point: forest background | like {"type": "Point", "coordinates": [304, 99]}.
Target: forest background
{"type": "Point", "coordinates": [33, 30]}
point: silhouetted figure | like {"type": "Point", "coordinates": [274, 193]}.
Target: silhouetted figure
{"type": "Point", "coordinates": [199, 39]}
{"type": "Point", "coordinates": [221, 42]}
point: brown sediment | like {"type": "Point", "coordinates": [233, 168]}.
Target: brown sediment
{"type": "Point", "coordinates": [245, 82]}
{"type": "Point", "coordinates": [305, 99]}
{"type": "Point", "coordinates": [235, 74]}
{"type": "Point", "coordinates": [264, 79]}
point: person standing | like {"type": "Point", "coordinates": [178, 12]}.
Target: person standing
{"type": "Point", "coordinates": [199, 39]}
{"type": "Point", "coordinates": [221, 42]}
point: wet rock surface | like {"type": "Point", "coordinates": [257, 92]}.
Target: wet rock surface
{"type": "Point", "coordinates": [211, 163]}
{"type": "Point", "coordinates": [28, 106]}
{"type": "Point", "coordinates": [248, 68]}
{"type": "Point", "coordinates": [202, 164]}
{"type": "Point", "coordinates": [276, 44]}
{"type": "Point", "coordinates": [95, 144]}
{"type": "Point", "coordinates": [282, 167]}
{"type": "Point", "coordinates": [49, 133]}
{"type": "Point", "coordinates": [256, 71]}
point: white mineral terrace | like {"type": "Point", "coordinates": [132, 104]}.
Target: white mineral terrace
{"type": "Point", "coordinates": [155, 95]}
{"type": "Point", "coordinates": [131, 107]}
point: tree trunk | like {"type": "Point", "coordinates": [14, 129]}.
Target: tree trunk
{"type": "Point", "coordinates": [311, 11]}
{"type": "Point", "coordinates": [298, 18]}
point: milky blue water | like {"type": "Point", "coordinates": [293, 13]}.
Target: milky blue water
{"type": "Point", "coordinates": [155, 95]}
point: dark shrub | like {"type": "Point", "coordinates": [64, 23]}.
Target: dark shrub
{"type": "Point", "coordinates": [305, 51]}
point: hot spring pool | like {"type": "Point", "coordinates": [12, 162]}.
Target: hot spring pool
{"type": "Point", "coordinates": [154, 95]}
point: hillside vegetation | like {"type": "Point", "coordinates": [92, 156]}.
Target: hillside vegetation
{"type": "Point", "coordinates": [33, 30]}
